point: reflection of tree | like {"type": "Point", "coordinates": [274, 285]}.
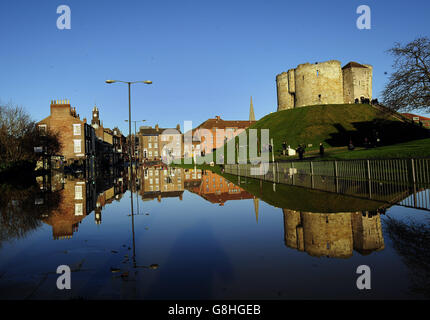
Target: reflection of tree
{"type": "Point", "coordinates": [21, 209]}
{"type": "Point", "coordinates": [412, 242]}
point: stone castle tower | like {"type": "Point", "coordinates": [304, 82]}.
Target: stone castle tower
{"type": "Point", "coordinates": [323, 83]}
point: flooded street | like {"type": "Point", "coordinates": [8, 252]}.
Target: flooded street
{"type": "Point", "coordinates": [193, 234]}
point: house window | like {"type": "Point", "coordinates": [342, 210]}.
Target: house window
{"type": "Point", "coordinates": [77, 146]}
{"type": "Point", "coordinates": [42, 129]}
{"type": "Point", "coordinates": [155, 153]}
{"type": "Point", "coordinates": [149, 145]}
{"type": "Point", "coordinates": [78, 192]}
{"type": "Point", "coordinates": [77, 129]}
{"type": "Point", "coordinates": [79, 209]}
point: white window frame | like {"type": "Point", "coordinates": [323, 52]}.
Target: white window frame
{"type": "Point", "coordinates": [78, 192]}
{"type": "Point", "coordinates": [77, 145]}
{"type": "Point", "coordinates": [45, 127]}
{"type": "Point", "coordinates": [76, 129]}
{"type": "Point", "coordinates": [79, 209]}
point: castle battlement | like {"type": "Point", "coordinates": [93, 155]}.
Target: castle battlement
{"type": "Point", "coordinates": [323, 83]}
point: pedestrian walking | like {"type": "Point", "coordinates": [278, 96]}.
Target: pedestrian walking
{"type": "Point", "coordinates": [321, 149]}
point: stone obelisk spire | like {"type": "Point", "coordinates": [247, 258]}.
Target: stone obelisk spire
{"type": "Point", "coordinates": [251, 112]}
{"type": "Point", "coordinates": [256, 202]}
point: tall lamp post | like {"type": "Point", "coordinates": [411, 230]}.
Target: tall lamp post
{"type": "Point", "coordinates": [129, 111]}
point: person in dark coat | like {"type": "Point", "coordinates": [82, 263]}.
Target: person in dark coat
{"type": "Point", "coordinates": [300, 150]}
{"type": "Point", "coordinates": [321, 150]}
{"type": "Point", "coordinates": [284, 147]}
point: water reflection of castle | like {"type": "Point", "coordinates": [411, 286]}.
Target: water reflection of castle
{"type": "Point", "coordinates": [78, 198]}
{"type": "Point", "coordinates": [333, 235]}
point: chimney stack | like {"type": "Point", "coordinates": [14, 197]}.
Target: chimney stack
{"type": "Point", "coordinates": [156, 127]}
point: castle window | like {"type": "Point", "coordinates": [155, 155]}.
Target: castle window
{"type": "Point", "coordinates": [319, 97]}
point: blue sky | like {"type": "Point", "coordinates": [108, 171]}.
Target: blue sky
{"type": "Point", "coordinates": [205, 57]}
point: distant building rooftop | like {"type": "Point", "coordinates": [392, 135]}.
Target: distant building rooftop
{"type": "Point", "coordinates": [219, 123]}
{"type": "Point", "coordinates": [353, 64]}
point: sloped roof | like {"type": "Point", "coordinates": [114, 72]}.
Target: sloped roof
{"type": "Point", "coordinates": [222, 124]}
{"type": "Point", "coordinates": [353, 64]}
{"type": "Point", "coordinates": [411, 115]}
{"type": "Point", "coordinates": [152, 131]}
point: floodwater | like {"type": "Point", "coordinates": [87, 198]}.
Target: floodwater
{"type": "Point", "coordinates": [191, 234]}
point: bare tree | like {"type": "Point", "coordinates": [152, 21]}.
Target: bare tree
{"type": "Point", "coordinates": [19, 135]}
{"type": "Point", "coordinates": [409, 86]}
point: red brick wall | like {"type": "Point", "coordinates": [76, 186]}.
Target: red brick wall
{"type": "Point", "coordinates": [61, 120]}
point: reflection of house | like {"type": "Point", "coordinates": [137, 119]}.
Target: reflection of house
{"type": "Point", "coordinates": [78, 198]}
{"type": "Point", "coordinates": [333, 235]}
{"type": "Point", "coordinates": [72, 208]}
{"type": "Point", "coordinates": [216, 189]}
{"type": "Point", "coordinates": [161, 182]}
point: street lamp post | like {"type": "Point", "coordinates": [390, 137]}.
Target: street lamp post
{"type": "Point", "coordinates": [129, 113]}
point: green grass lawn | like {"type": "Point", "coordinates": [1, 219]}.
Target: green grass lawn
{"type": "Point", "coordinates": [412, 149]}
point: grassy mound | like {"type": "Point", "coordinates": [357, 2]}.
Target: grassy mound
{"type": "Point", "coordinates": [335, 125]}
